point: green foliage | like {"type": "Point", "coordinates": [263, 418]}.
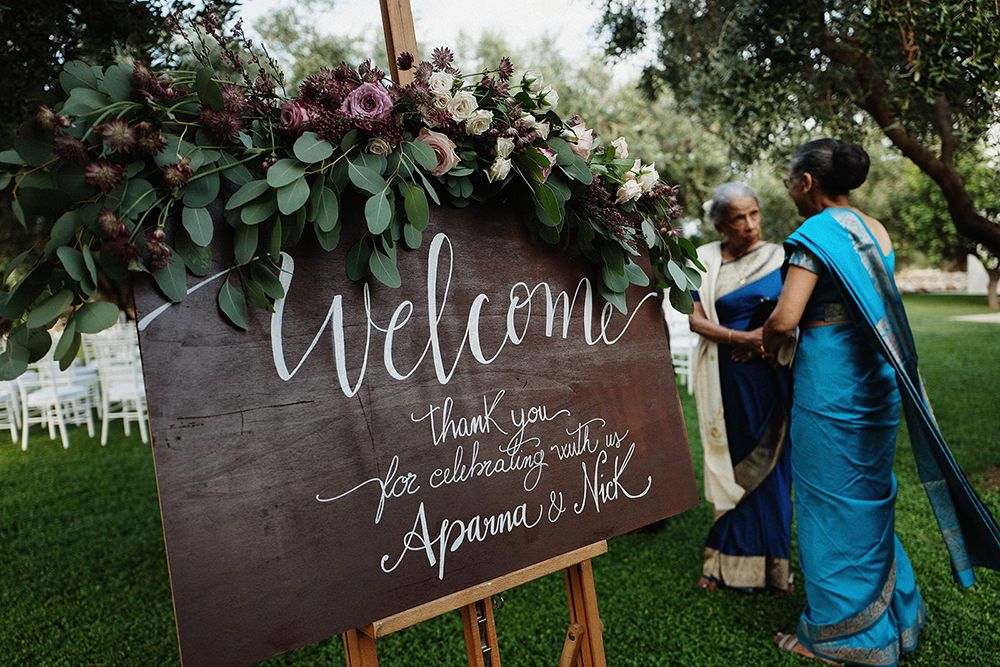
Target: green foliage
{"type": "Point", "coordinates": [81, 539]}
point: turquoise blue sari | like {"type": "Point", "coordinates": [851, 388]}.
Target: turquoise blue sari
{"type": "Point", "coordinates": [849, 380]}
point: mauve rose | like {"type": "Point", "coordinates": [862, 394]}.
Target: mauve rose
{"type": "Point", "coordinates": [444, 149]}
{"type": "Point", "coordinates": [552, 162]}
{"type": "Point", "coordinates": [295, 117]}
{"type": "Point", "coordinates": [369, 100]}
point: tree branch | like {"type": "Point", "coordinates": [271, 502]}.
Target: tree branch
{"type": "Point", "coordinates": [946, 123]}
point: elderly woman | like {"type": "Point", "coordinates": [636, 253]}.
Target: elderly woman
{"type": "Point", "coordinates": [741, 410]}
{"type": "Point", "coordinates": [855, 364]}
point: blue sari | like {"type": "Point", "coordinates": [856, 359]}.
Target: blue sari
{"type": "Point", "coordinates": [850, 378]}
{"type": "Point", "coordinates": [748, 547]}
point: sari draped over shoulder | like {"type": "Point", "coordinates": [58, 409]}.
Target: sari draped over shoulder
{"type": "Point", "coordinates": [742, 416]}
{"type": "Point", "coordinates": [850, 378]}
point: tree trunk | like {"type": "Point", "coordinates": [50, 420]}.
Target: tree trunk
{"type": "Point", "coordinates": [991, 289]}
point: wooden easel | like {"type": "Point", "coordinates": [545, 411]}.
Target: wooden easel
{"type": "Point", "coordinates": [584, 643]}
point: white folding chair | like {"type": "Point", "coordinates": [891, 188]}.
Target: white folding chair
{"type": "Point", "coordinates": [123, 394]}
{"type": "Point", "coordinates": [49, 397]}
{"type": "Point", "coordinates": [682, 344]}
{"type": "Point", "coordinates": [10, 417]}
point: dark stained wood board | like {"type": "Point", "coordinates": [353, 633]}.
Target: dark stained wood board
{"type": "Point", "coordinates": [262, 560]}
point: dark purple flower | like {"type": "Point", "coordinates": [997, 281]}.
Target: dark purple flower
{"type": "Point", "coordinates": [295, 117]}
{"type": "Point", "coordinates": [107, 223]}
{"type": "Point", "coordinates": [506, 69]}
{"type": "Point", "coordinates": [404, 61]}
{"type": "Point", "coordinates": [233, 98]}
{"type": "Point", "coordinates": [103, 175]}
{"type": "Point", "coordinates": [442, 57]}
{"type": "Point", "coordinates": [369, 100]}
{"type": "Point", "coordinates": [159, 253]}
{"type": "Point", "coordinates": [46, 118]}
{"type": "Point", "coordinates": [117, 135]}
{"type": "Point", "coordinates": [150, 139]}
{"type": "Point", "coordinates": [70, 149]}
{"type": "Point", "coordinates": [223, 124]}
{"type": "Point", "coordinates": [177, 175]}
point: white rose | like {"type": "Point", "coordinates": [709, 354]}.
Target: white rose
{"type": "Point", "coordinates": [531, 81]}
{"type": "Point", "coordinates": [462, 105]}
{"type": "Point", "coordinates": [505, 146]}
{"type": "Point", "coordinates": [548, 99]}
{"type": "Point", "coordinates": [633, 172]}
{"type": "Point", "coordinates": [648, 177]}
{"type": "Point", "coordinates": [581, 140]}
{"type": "Point", "coordinates": [543, 130]}
{"type": "Point", "coordinates": [442, 100]}
{"type": "Point", "coordinates": [378, 146]}
{"type": "Point", "coordinates": [628, 191]}
{"type": "Point", "coordinates": [498, 170]}
{"type": "Point", "coordinates": [527, 119]}
{"type": "Point", "coordinates": [621, 148]}
{"type": "Point", "coordinates": [479, 122]}
{"type": "Point", "coordinates": [441, 82]}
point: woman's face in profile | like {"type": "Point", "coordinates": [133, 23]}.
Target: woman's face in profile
{"type": "Point", "coordinates": [742, 228]}
{"type": "Point", "coordinates": [798, 187]}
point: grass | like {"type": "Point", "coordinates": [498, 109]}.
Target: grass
{"type": "Point", "coordinates": [83, 579]}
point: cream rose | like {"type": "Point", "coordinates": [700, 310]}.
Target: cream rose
{"type": "Point", "coordinates": [505, 146]}
{"type": "Point", "coordinates": [581, 140]}
{"type": "Point", "coordinates": [498, 170]}
{"type": "Point", "coordinates": [462, 105]}
{"type": "Point", "coordinates": [548, 99]}
{"type": "Point", "coordinates": [444, 150]}
{"type": "Point", "coordinates": [479, 122]}
{"type": "Point", "coordinates": [629, 191]}
{"type": "Point", "coordinates": [442, 100]}
{"type": "Point", "coordinates": [531, 82]}
{"type": "Point", "coordinates": [378, 146]}
{"type": "Point", "coordinates": [543, 130]}
{"type": "Point", "coordinates": [441, 82]}
{"type": "Point", "coordinates": [648, 177]}
{"type": "Point", "coordinates": [621, 148]}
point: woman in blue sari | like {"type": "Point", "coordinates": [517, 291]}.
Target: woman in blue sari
{"type": "Point", "coordinates": [741, 403]}
{"type": "Point", "coordinates": [855, 366]}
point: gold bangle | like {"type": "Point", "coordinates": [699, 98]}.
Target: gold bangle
{"type": "Point", "coordinates": [730, 336]}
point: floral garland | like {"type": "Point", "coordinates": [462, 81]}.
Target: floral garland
{"type": "Point", "coordinates": [130, 170]}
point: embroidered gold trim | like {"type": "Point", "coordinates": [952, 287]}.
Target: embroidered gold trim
{"type": "Point", "coordinates": [754, 468]}
{"type": "Point", "coordinates": [863, 620]}
{"type": "Point", "coordinates": [747, 571]}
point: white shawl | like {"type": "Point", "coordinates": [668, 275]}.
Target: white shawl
{"type": "Point", "coordinates": [721, 488]}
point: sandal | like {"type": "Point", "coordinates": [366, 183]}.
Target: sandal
{"type": "Point", "coordinates": [708, 584]}
{"type": "Point", "coordinates": [790, 643]}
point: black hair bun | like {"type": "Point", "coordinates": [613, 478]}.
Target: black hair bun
{"type": "Point", "coordinates": [850, 166]}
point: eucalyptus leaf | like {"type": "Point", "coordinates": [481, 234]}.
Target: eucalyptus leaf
{"type": "Point", "coordinates": [233, 305]}
{"type": "Point", "coordinates": [616, 299]}
{"type": "Point", "coordinates": [172, 280]}
{"type": "Point", "coordinates": [62, 232]}
{"type": "Point", "coordinates": [244, 243]}
{"type": "Point", "coordinates": [693, 277]}
{"type": "Point", "coordinates": [72, 261]}
{"type": "Point", "coordinates": [208, 90]}
{"type": "Point", "coordinates": [636, 275]}
{"type": "Point", "coordinates": [64, 345]}
{"type": "Point", "coordinates": [421, 153]}
{"type": "Point", "coordinates": [197, 259]}
{"type": "Point", "coordinates": [95, 316]}
{"type": "Point", "coordinates": [117, 82]}
{"type": "Point", "coordinates": [267, 280]}
{"type": "Point", "coordinates": [83, 100]}
{"type": "Point", "coordinates": [47, 311]}
{"type": "Point", "coordinates": [365, 179]}
{"type": "Point", "coordinates": [416, 207]}
{"type": "Point", "coordinates": [677, 274]}
{"type": "Point", "coordinates": [310, 148]}
{"type": "Point", "coordinates": [548, 204]}
{"type": "Point", "coordinates": [284, 172]}
{"type": "Point", "coordinates": [33, 144]}
{"type": "Point", "coordinates": [615, 281]}
{"type": "Point", "coordinates": [234, 171]}
{"type": "Point", "coordinates": [327, 211]}
{"type": "Point", "coordinates": [247, 193]}
{"type": "Point", "coordinates": [378, 212]}
{"type": "Point", "coordinates": [681, 300]}
{"type": "Point", "coordinates": [69, 356]}
{"type": "Point", "coordinates": [293, 196]}
{"type": "Point", "coordinates": [201, 191]}
{"type": "Point", "coordinates": [348, 140]}
{"type": "Point", "coordinates": [412, 236]}
{"type": "Point", "coordinates": [328, 240]}
{"type": "Point", "coordinates": [384, 269]}
{"type": "Point", "coordinates": [258, 211]}
{"type": "Point", "coordinates": [198, 223]}
{"type": "Point", "coordinates": [357, 260]}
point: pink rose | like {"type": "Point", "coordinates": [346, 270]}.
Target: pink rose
{"type": "Point", "coordinates": [552, 162]}
{"type": "Point", "coordinates": [581, 140]}
{"type": "Point", "coordinates": [444, 149]}
{"type": "Point", "coordinates": [369, 100]}
{"type": "Point", "coordinates": [295, 117]}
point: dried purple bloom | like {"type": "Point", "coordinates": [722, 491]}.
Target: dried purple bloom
{"type": "Point", "coordinates": [117, 135]}
{"type": "Point", "coordinates": [103, 175]}
{"type": "Point", "coordinates": [268, 162]}
{"type": "Point", "coordinates": [107, 223]}
{"type": "Point", "coordinates": [233, 98]}
{"type": "Point", "coordinates": [404, 61]}
{"type": "Point", "coordinates": [46, 118]}
{"type": "Point", "coordinates": [223, 124]}
{"type": "Point", "coordinates": [159, 254]}
{"type": "Point", "coordinates": [70, 149]}
{"type": "Point", "coordinates": [442, 57]}
{"type": "Point", "coordinates": [369, 73]}
{"type": "Point", "coordinates": [142, 76]}
{"type": "Point", "coordinates": [150, 140]}
{"type": "Point", "coordinates": [177, 175]}
{"type": "Point", "coordinates": [506, 69]}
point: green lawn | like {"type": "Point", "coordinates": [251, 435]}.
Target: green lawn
{"type": "Point", "coordinates": [83, 580]}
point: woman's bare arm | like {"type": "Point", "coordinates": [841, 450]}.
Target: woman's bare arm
{"type": "Point", "coordinates": [706, 328]}
{"type": "Point", "coordinates": [780, 326]}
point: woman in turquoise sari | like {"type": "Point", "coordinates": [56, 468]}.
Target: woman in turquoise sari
{"type": "Point", "coordinates": [855, 365]}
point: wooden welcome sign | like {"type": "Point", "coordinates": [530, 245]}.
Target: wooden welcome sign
{"type": "Point", "coordinates": [363, 450]}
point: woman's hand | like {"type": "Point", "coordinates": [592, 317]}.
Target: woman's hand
{"type": "Point", "coordinates": [748, 345]}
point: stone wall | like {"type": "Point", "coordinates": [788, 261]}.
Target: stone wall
{"type": "Point", "coordinates": [931, 280]}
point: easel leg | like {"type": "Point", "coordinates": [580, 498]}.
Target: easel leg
{"type": "Point", "coordinates": [481, 644]}
{"type": "Point", "coordinates": [571, 646]}
{"type": "Point", "coordinates": [582, 599]}
{"type": "Point", "coordinates": [359, 649]}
